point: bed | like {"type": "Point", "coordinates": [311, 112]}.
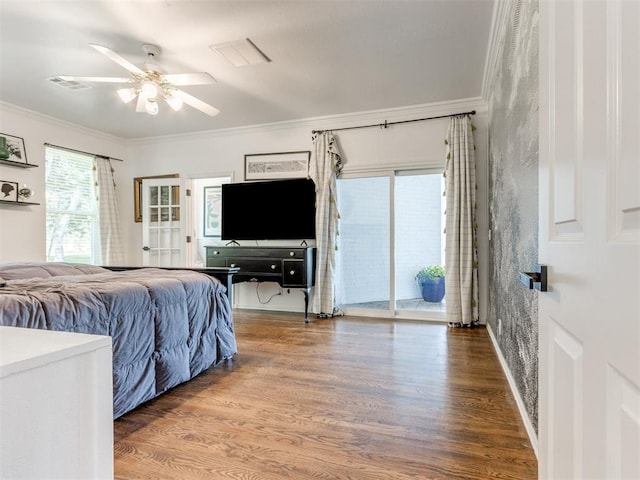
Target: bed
{"type": "Point", "coordinates": [167, 326]}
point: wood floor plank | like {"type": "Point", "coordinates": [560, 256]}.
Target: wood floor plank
{"type": "Point", "coordinates": [344, 398]}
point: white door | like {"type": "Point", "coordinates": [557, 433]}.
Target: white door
{"type": "Point", "coordinates": [165, 216]}
{"type": "Point", "coordinates": [589, 320]}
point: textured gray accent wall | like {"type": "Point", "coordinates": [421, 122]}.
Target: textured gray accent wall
{"type": "Point", "coordinates": [513, 198]}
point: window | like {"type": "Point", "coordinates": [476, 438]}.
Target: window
{"type": "Point", "coordinates": [71, 207]}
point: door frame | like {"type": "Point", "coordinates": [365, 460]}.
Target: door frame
{"type": "Point", "coordinates": [196, 217]}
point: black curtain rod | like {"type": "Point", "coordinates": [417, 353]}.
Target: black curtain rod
{"type": "Point", "coordinates": [80, 151]}
{"type": "Point", "coordinates": [386, 124]}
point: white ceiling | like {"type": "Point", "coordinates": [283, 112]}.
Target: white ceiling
{"type": "Point", "coordinates": [329, 57]}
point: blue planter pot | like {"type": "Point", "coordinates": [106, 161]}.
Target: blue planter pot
{"type": "Point", "coordinates": [433, 290]}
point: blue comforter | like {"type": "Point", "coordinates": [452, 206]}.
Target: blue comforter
{"type": "Point", "coordinates": [167, 326]}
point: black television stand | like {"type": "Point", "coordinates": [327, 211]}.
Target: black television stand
{"type": "Point", "coordinates": [290, 267]}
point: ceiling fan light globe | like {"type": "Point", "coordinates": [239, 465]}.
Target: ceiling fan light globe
{"type": "Point", "coordinates": [151, 106]}
{"type": "Point", "coordinates": [149, 90]}
{"type": "Point", "coordinates": [127, 94]}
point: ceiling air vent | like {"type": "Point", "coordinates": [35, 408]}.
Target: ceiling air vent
{"type": "Point", "coordinates": [241, 52]}
{"type": "Point", "coordinates": [70, 84]}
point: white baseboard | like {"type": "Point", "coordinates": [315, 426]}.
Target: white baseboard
{"type": "Point", "coordinates": [533, 438]}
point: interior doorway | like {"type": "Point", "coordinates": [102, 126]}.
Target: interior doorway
{"type": "Point", "coordinates": [206, 195]}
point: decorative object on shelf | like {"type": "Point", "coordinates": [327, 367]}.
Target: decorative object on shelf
{"type": "Point", "coordinates": [4, 151]}
{"type": "Point", "coordinates": [212, 211]}
{"type": "Point", "coordinates": [14, 146]}
{"type": "Point", "coordinates": [8, 191]}
{"type": "Point", "coordinates": [137, 194]}
{"type": "Point", "coordinates": [269, 166]}
{"type": "Point", "coordinates": [431, 282]}
{"type": "Point", "coordinates": [24, 193]}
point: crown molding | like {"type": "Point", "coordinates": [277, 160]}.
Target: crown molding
{"type": "Point", "coordinates": [411, 112]}
{"type": "Point", "coordinates": [56, 122]}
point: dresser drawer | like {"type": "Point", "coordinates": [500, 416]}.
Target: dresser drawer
{"type": "Point", "coordinates": [257, 252]}
{"type": "Point", "coordinates": [216, 261]}
{"type": "Point", "coordinates": [255, 265]}
{"type": "Point", "coordinates": [293, 273]}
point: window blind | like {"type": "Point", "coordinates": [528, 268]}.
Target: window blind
{"type": "Point", "coordinates": [71, 206]}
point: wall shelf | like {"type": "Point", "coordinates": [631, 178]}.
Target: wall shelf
{"type": "Point", "coordinates": [11, 163]}
{"type": "Point", "coordinates": [11, 202]}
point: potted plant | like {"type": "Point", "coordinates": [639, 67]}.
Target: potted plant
{"type": "Point", "coordinates": [431, 282]}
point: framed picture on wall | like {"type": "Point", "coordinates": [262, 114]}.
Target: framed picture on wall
{"type": "Point", "coordinates": [212, 211]}
{"type": "Point", "coordinates": [270, 166]}
{"type": "Point", "coordinates": [137, 194]}
{"type": "Point", "coordinates": [15, 146]}
{"type": "Point", "coordinates": [8, 191]}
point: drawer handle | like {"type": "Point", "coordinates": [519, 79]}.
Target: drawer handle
{"type": "Point", "coordinates": [292, 272]}
{"type": "Point", "coordinates": [273, 267]}
{"type": "Point", "coordinates": [216, 252]}
{"type": "Point", "coordinates": [291, 254]}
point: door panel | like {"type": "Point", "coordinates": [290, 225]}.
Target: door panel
{"type": "Point", "coordinates": [565, 104]}
{"type": "Point", "coordinates": [565, 380]}
{"type": "Point", "coordinates": [623, 439]}
{"type": "Point", "coordinates": [589, 320]}
{"type": "Point", "coordinates": [164, 218]}
{"type": "Point", "coordinates": [623, 74]}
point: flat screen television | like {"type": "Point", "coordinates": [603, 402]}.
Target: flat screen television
{"type": "Point", "coordinates": [269, 210]}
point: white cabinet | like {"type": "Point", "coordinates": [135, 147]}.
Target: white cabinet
{"type": "Point", "coordinates": [56, 405]}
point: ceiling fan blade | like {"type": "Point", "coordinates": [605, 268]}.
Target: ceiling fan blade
{"type": "Point", "coordinates": [196, 103]}
{"type": "Point", "coordinates": [181, 79]}
{"type": "Point", "coordinates": [117, 58]}
{"type": "Point", "coordinates": [69, 78]}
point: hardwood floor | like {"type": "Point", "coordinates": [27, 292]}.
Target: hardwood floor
{"type": "Point", "coordinates": [345, 398]}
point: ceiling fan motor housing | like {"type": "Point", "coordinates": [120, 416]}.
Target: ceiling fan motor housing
{"type": "Point", "coordinates": [151, 50]}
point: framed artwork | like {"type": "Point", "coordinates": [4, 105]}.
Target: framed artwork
{"type": "Point", "coordinates": [212, 211]}
{"type": "Point", "coordinates": [8, 191]}
{"type": "Point", "coordinates": [270, 166]}
{"type": "Point", "coordinates": [137, 194]}
{"type": "Point", "coordinates": [15, 145]}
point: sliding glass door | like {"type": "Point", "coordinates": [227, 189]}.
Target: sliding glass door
{"type": "Point", "coordinates": [391, 227]}
{"type": "Point", "coordinates": [419, 241]}
{"type": "Point", "coordinates": [363, 255]}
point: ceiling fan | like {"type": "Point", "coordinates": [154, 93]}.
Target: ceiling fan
{"type": "Point", "coordinates": [149, 83]}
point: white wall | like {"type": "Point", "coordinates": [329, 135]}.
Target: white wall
{"type": "Point", "coordinates": [22, 229]}
{"type": "Point", "coordinates": [419, 144]}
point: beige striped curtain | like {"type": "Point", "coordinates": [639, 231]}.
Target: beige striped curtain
{"type": "Point", "coordinates": [461, 252]}
{"type": "Point", "coordinates": [326, 164]}
{"type": "Point", "coordinates": [110, 236]}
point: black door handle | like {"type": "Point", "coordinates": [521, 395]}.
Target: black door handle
{"type": "Point", "coordinates": [537, 279]}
